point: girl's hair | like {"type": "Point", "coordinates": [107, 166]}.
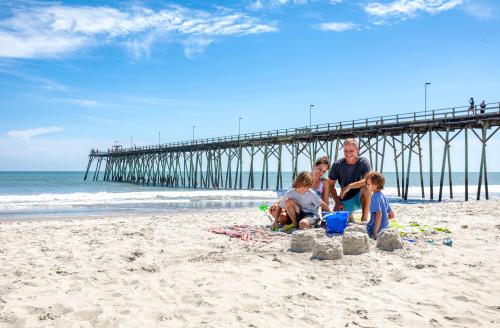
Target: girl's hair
{"type": "Point", "coordinates": [304, 179]}
{"type": "Point", "coordinates": [322, 160]}
{"type": "Point", "coordinates": [377, 179]}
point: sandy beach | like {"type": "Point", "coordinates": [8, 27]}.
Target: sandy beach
{"type": "Point", "coordinates": [171, 271]}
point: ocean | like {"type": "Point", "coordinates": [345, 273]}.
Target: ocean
{"type": "Point", "coordinates": [65, 194]}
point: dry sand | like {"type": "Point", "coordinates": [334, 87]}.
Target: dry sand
{"type": "Point", "coordinates": [170, 271]}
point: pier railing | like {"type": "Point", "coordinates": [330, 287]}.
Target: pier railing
{"type": "Point", "coordinates": [374, 121]}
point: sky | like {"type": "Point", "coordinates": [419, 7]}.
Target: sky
{"type": "Point", "coordinates": [76, 75]}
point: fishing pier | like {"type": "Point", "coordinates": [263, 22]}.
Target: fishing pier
{"type": "Point", "coordinates": [220, 163]}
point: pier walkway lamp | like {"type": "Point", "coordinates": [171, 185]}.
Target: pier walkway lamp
{"type": "Point", "coordinates": [193, 131]}
{"type": "Point", "coordinates": [425, 99]}
{"type": "Point", "coordinates": [159, 143]}
{"type": "Point", "coordinates": [239, 125]}
{"type": "Point", "coordinates": [310, 116]}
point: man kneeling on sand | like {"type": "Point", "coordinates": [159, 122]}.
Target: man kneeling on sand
{"type": "Point", "coordinates": [350, 172]}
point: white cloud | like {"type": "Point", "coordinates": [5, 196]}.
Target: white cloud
{"type": "Point", "coordinates": [30, 133]}
{"type": "Point", "coordinates": [410, 8]}
{"type": "Point", "coordinates": [55, 30]}
{"type": "Point", "coordinates": [481, 11]}
{"type": "Point", "coordinates": [37, 81]}
{"type": "Point", "coordinates": [256, 5]}
{"type": "Point", "coordinates": [81, 102]}
{"type": "Point", "coordinates": [195, 46]}
{"type": "Point", "coordinates": [265, 4]}
{"type": "Point", "coordinates": [338, 26]}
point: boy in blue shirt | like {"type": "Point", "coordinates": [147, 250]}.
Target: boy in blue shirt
{"type": "Point", "coordinates": [380, 209]}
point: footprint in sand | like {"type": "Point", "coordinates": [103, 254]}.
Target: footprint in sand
{"type": "Point", "coordinates": [87, 315]}
{"type": "Point", "coordinates": [53, 312]}
{"type": "Point", "coordinates": [463, 298]}
{"type": "Point", "coordinates": [394, 317]}
{"type": "Point", "coordinates": [251, 307]}
{"type": "Point", "coordinates": [434, 323]}
{"type": "Point", "coordinates": [397, 276]}
{"type": "Point", "coordinates": [11, 319]}
{"type": "Point", "coordinates": [307, 296]}
{"type": "Point", "coordinates": [462, 320]}
{"type": "Point", "coordinates": [363, 314]}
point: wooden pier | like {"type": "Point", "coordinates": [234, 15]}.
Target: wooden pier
{"type": "Point", "coordinates": [218, 163]}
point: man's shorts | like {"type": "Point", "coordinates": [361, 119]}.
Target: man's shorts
{"type": "Point", "coordinates": [353, 204]}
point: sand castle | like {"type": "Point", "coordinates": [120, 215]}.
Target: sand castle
{"type": "Point", "coordinates": [327, 249]}
{"type": "Point", "coordinates": [355, 243]}
{"type": "Point", "coordinates": [388, 240]}
{"type": "Point", "coordinates": [303, 241]}
{"type": "Point", "coordinates": [355, 228]}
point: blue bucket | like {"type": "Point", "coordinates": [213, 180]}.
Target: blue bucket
{"type": "Point", "coordinates": [336, 222]}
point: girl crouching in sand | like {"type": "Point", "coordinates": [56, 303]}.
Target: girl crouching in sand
{"type": "Point", "coordinates": [301, 204]}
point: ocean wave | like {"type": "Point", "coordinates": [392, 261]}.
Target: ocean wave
{"type": "Point", "coordinates": [458, 192]}
{"type": "Point", "coordinates": [22, 202]}
{"type": "Point", "coordinates": [191, 198]}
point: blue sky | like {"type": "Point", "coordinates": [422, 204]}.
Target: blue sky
{"type": "Point", "coordinates": [82, 74]}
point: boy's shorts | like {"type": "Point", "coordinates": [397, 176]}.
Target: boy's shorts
{"type": "Point", "coordinates": [310, 217]}
{"type": "Point", "coordinates": [353, 204]}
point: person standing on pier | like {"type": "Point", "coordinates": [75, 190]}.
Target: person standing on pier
{"type": "Point", "coordinates": [350, 172]}
{"type": "Point", "coordinates": [472, 108]}
{"type": "Point", "coordinates": [482, 105]}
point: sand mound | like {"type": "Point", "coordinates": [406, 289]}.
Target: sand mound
{"type": "Point", "coordinates": [327, 249]}
{"type": "Point", "coordinates": [320, 233]}
{"type": "Point", "coordinates": [303, 241]}
{"type": "Point", "coordinates": [388, 240]}
{"type": "Point", "coordinates": [355, 228]}
{"type": "Point", "coordinates": [355, 243]}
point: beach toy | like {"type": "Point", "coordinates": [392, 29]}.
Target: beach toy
{"type": "Point", "coordinates": [448, 242]}
{"type": "Point", "coordinates": [394, 224]}
{"type": "Point", "coordinates": [289, 226]}
{"type": "Point", "coordinates": [409, 240]}
{"type": "Point", "coordinates": [264, 208]}
{"type": "Point", "coordinates": [336, 222]}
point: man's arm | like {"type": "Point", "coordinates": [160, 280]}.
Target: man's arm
{"type": "Point", "coordinates": [353, 185]}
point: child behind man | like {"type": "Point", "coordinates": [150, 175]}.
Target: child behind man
{"type": "Point", "coordinates": [301, 203]}
{"type": "Point", "coordinates": [380, 209]}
